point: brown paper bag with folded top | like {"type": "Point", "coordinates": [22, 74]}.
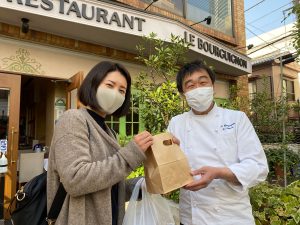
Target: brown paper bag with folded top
{"type": "Point", "coordinates": [166, 166]}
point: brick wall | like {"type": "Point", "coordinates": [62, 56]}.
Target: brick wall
{"type": "Point", "coordinates": [239, 38]}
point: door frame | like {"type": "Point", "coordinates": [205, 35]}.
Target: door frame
{"type": "Point", "coordinates": [13, 83]}
{"type": "Point", "coordinates": [74, 83]}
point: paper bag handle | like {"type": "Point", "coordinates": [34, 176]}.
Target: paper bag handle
{"type": "Point", "coordinates": [168, 142]}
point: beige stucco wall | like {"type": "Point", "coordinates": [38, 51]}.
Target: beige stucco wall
{"type": "Point", "coordinates": [41, 60]}
{"type": "Point", "coordinates": [274, 71]}
{"type": "Point", "coordinates": [287, 72]}
{"type": "Point", "coordinates": [221, 88]}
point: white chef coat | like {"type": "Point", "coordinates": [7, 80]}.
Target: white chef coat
{"type": "Point", "coordinates": [220, 138]}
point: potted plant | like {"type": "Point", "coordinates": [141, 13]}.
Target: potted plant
{"type": "Point", "coordinates": [275, 158]}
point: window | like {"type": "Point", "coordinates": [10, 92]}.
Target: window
{"type": "Point", "coordinates": [288, 89]}
{"type": "Point", "coordinates": [113, 123]}
{"type": "Point", "coordinates": [132, 118]}
{"type": "Point", "coordinates": [220, 11]}
{"type": "Point", "coordinates": [260, 85]}
{"type": "Point", "coordinates": [252, 89]}
{"type": "Point", "coordinates": [130, 124]}
{"type": "Point", "coordinates": [174, 6]}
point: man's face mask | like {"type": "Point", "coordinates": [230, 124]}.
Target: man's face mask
{"type": "Point", "coordinates": [200, 98]}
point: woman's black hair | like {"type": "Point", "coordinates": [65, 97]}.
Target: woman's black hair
{"type": "Point", "coordinates": [88, 89]}
{"type": "Point", "coordinates": [189, 68]}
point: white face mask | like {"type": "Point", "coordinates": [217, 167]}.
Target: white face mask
{"type": "Point", "coordinates": [109, 100]}
{"type": "Point", "coordinates": [200, 98]}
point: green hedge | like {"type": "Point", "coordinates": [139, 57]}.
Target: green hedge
{"type": "Point", "coordinates": [276, 205]}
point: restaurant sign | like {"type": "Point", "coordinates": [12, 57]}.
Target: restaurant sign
{"type": "Point", "coordinates": [86, 12]}
{"type": "Point", "coordinates": [113, 17]}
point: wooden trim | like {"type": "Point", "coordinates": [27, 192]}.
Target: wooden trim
{"type": "Point", "coordinates": [12, 82]}
{"type": "Point", "coordinates": [76, 81]}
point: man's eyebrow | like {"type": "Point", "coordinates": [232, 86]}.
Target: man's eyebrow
{"type": "Point", "coordinates": [188, 81]}
{"type": "Point", "coordinates": [203, 76]}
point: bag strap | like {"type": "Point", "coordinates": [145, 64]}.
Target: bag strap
{"type": "Point", "coordinates": [56, 204]}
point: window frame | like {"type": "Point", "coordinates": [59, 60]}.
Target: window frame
{"type": "Point", "coordinates": [122, 120]}
{"type": "Point", "coordinates": [286, 93]}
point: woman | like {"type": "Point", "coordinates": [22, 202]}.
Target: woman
{"type": "Point", "coordinates": [85, 155]}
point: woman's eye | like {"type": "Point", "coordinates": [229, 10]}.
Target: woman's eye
{"type": "Point", "coordinates": [123, 92]}
{"type": "Point", "coordinates": [109, 85]}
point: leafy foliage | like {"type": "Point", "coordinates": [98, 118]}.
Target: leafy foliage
{"type": "Point", "coordinates": [296, 30]}
{"type": "Point", "coordinates": [275, 158]}
{"type": "Point", "coordinates": [156, 87]}
{"type": "Point", "coordinates": [138, 172]}
{"type": "Point", "coordinates": [123, 139]}
{"type": "Point", "coordinates": [267, 116]}
{"type": "Point", "coordinates": [276, 205]}
{"type": "Point", "coordinates": [235, 102]}
{"type": "Point", "coordinates": [156, 91]}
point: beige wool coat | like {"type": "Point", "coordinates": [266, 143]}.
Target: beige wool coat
{"type": "Point", "coordinates": [88, 162]}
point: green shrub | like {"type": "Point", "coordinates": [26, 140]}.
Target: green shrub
{"type": "Point", "coordinates": [275, 157]}
{"type": "Point", "coordinates": [123, 140]}
{"type": "Point", "coordinates": [138, 172]}
{"type": "Point", "coordinates": [275, 205]}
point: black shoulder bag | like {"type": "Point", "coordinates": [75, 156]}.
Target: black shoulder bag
{"type": "Point", "coordinates": [31, 203]}
{"type": "Point", "coordinates": [31, 206]}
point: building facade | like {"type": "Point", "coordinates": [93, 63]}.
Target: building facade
{"type": "Point", "coordinates": [48, 46]}
{"type": "Point", "coordinates": [268, 73]}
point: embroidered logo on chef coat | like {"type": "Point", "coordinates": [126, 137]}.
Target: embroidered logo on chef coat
{"type": "Point", "coordinates": [228, 126]}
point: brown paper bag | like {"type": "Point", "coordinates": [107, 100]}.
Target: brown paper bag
{"type": "Point", "coordinates": [166, 167]}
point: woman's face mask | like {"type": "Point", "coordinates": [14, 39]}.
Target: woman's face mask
{"type": "Point", "coordinates": [109, 99]}
{"type": "Point", "coordinates": [111, 92]}
{"type": "Point", "coordinates": [200, 98]}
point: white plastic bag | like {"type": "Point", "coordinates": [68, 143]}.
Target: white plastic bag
{"type": "Point", "coordinates": [153, 209]}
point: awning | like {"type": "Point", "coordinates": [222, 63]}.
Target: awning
{"type": "Point", "coordinates": [119, 27]}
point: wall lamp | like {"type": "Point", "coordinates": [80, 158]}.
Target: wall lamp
{"type": "Point", "coordinates": [207, 20]}
{"type": "Point", "coordinates": [150, 4]}
{"type": "Point", "coordinates": [248, 47]}
{"type": "Point", "coordinates": [25, 25]}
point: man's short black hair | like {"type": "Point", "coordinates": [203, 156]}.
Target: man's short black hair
{"type": "Point", "coordinates": [88, 89]}
{"type": "Point", "coordinates": [189, 68]}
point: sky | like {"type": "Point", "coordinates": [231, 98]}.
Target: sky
{"type": "Point", "coordinates": [266, 15]}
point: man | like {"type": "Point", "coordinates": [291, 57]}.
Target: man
{"type": "Point", "coordinates": [223, 151]}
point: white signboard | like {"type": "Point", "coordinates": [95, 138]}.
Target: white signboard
{"type": "Point", "coordinates": [99, 14]}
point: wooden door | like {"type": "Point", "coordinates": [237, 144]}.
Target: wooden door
{"type": "Point", "coordinates": [72, 90]}
{"type": "Point", "coordinates": [10, 86]}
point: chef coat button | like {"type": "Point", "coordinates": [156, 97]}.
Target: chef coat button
{"type": "Point", "coordinates": [215, 148]}
{"type": "Point", "coordinates": [216, 130]}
